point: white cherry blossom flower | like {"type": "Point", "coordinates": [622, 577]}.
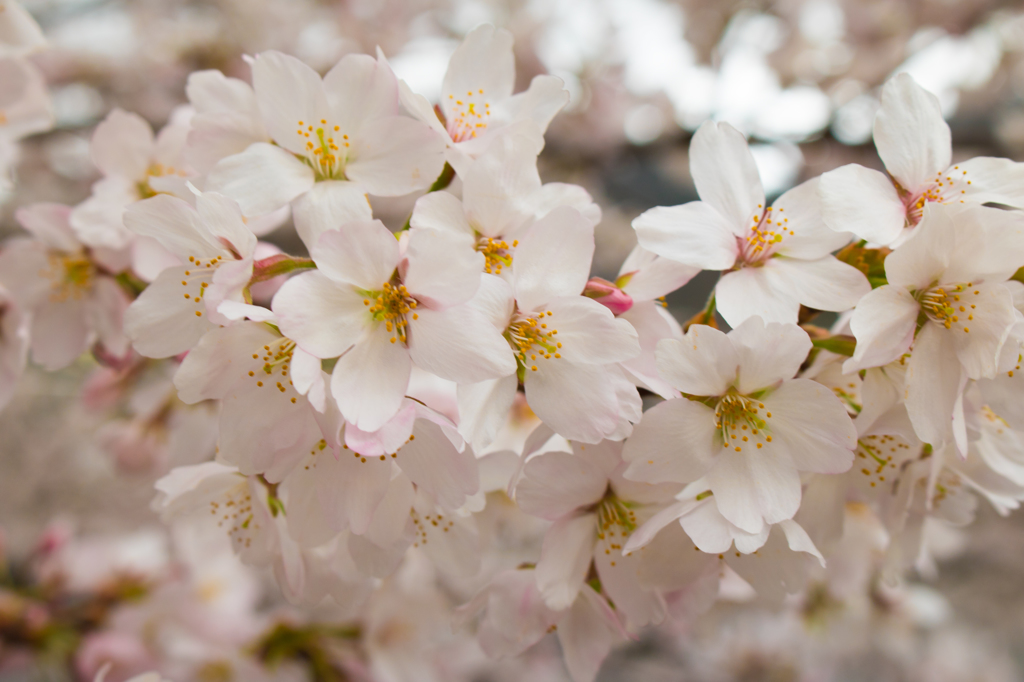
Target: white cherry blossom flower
{"type": "Point", "coordinates": [776, 258]}
{"type": "Point", "coordinates": [342, 127]}
{"type": "Point", "coordinates": [72, 301]}
{"type": "Point", "coordinates": [745, 425]}
{"type": "Point", "coordinates": [946, 298]}
{"type": "Point", "coordinates": [216, 251]}
{"type": "Point", "coordinates": [381, 310]}
{"type": "Point", "coordinates": [565, 346]}
{"type": "Point", "coordinates": [594, 509]}
{"type": "Point", "coordinates": [226, 121]}
{"type": "Point", "coordinates": [913, 141]}
{"type": "Point", "coordinates": [477, 103]}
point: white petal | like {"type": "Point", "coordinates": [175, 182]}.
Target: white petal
{"type": "Point", "coordinates": [799, 211]}
{"type": "Point", "coordinates": [494, 300]}
{"type": "Point", "coordinates": [223, 219]}
{"type": "Point", "coordinates": [725, 174]}
{"type": "Point", "coordinates": [483, 61]}
{"type": "Point", "coordinates": [554, 484]}
{"type": "Point", "coordinates": [934, 384]}
{"type": "Point", "coordinates": [620, 581]}
{"type": "Point", "coordinates": [863, 202]}
{"type": "Point", "coordinates": [218, 361]}
{"type": "Point", "coordinates": [19, 32]}
{"type": "Point", "coordinates": [988, 244]}
{"type": "Point", "coordinates": [288, 91]}
{"type": "Point", "coordinates": [921, 259]}
{"type": "Point", "coordinates": [325, 318]}
{"type": "Point", "coordinates": [884, 324]}
{"type": "Point", "coordinates": [799, 541]}
{"type": "Point", "coordinates": [160, 322]}
{"type": "Point", "coordinates": [499, 188]}
{"type": "Point", "coordinates": [589, 333]}
{"type": "Point", "coordinates": [122, 145]}
{"type": "Point", "coordinates": [650, 277]}
{"type": "Point", "coordinates": [49, 224]}
{"type": "Point", "coordinates": [586, 634]}
{"type": "Point", "coordinates": [693, 234]}
{"type": "Point", "coordinates": [539, 103]}
{"type": "Point", "coordinates": [993, 179]}
{"type": "Point", "coordinates": [823, 284]}
{"type": "Point", "coordinates": [911, 136]}
{"type": "Point", "coordinates": [329, 206]}
{"type": "Point", "coordinates": [361, 254]}
{"type": "Point", "coordinates": [751, 489]}
{"type": "Point", "coordinates": [646, 533]}
{"type": "Point", "coordinates": [768, 353]}
{"type": "Point", "coordinates": [750, 292]}
{"type": "Point", "coordinates": [175, 224]}
{"type": "Point", "coordinates": [673, 443]}
{"type": "Point", "coordinates": [564, 559]}
{"type": "Point", "coordinates": [436, 466]}
{"type": "Point", "coordinates": [460, 345]}
{"type": "Point", "coordinates": [394, 156]}
{"type": "Point", "coordinates": [577, 401]}
{"type": "Point", "coordinates": [484, 407]}
{"type": "Point", "coordinates": [360, 89]}
{"type": "Point", "coordinates": [261, 179]}
{"type": "Point", "coordinates": [703, 363]}
{"type": "Point", "coordinates": [989, 325]}
{"type": "Point", "coordinates": [439, 271]}
{"type": "Point", "coordinates": [442, 211]}
{"type": "Point", "coordinates": [553, 258]}
{"type": "Point", "coordinates": [370, 380]}
{"type": "Point", "coordinates": [812, 426]}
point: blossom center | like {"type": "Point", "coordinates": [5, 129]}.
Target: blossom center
{"type": "Point", "coordinates": [950, 304]}
{"type": "Point", "coordinates": [944, 189]}
{"type": "Point", "coordinates": [469, 115]}
{"type": "Point", "coordinates": [615, 522]}
{"type": "Point", "coordinates": [71, 277]}
{"type": "Point", "coordinates": [234, 509]}
{"type": "Point", "coordinates": [393, 306]}
{"type": "Point", "coordinates": [497, 253]}
{"type": "Point", "coordinates": [742, 421]}
{"type": "Point", "coordinates": [879, 453]}
{"type": "Point", "coordinates": [530, 335]}
{"type": "Point", "coordinates": [766, 232]}
{"type": "Point", "coordinates": [326, 149]}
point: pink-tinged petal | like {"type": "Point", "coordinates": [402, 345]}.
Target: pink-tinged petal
{"type": "Point", "coordinates": [364, 490]}
{"type": "Point", "coordinates": [725, 174]}
{"type": "Point", "coordinates": [775, 570]}
{"type": "Point", "coordinates": [863, 202]}
{"type": "Point", "coordinates": [751, 292]}
{"type": "Point", "coordinates": [981, 330]}
{"type": "Point", "coordinates": [883, 324]}
{"type": "Point", "coordinates": [394, 156]}
{"type": "Point", "coordinates": [175, 225]}
{"type": "Point", "coordinates": [459, 344]}
{"type": "Point", "coordinates": [329, 206]}
{"type": "Point", "coordinates": [261, 179]}
{"type": "Point", "coordinates": [123, 145]}
{"type": "Point", "coordinates": [565, 558]}
{"type": "Point", "coordinates": [799, 540]}
{"type": "Point", "coordinates": [935, 381]}
{"type": "Point", "coordinates": [263, 432]}
{"type": "Point", "coordinates": [308, 377]}
{"type": "Point", "coordinates": [539, 103]}
{"type": "Point", "coordinates": [586, 634]}
{"type": "Point", "coordinates": [220, 360]}
{"type": "Point", "coordinates": [59, 333]}
{"type": "Point", "coordinates": [288, 91]}
{"type": "Point", "coordinates": [498, 189]}
{"type": "Point", "coordinates": [439, 271]}
{"type": "Point", "coordinates": [752, 488]}
{"type": "Point", "coordinates": [712, 533]}
{"type": "Point", "coordinates": [216, 136]}
{"type": "Point", "coordinates": [360, 89]}
{"type": "Point", "coordinates": [799, 211]}
{"type": "Point", "coordinates": [693, 234]}
{"type": "Point", "coordinates": [703, 363]}
{"type": "Point", "coordinates": [99, 220]}
{"type": "Point", "coordinates": [554, 484]}
{"type": "Point", "coordinates": [922, 259]}
{"type": "Point", "coordinates": [386, 440]}
{"type": "Point", "coordinates": [577, 401]}
{"type": "Point", "coordinates": [553, 258]}
{"type": "Point", "coordinates": [484, 408]}
{"type": "Point", "coordinates": [325, 318]}
{"type": "Point", "coordinates": [160, 322]}
{"type": "Point", "coordinates": [223, 219]}
{"type": "Point", "coordinates": [442, 211]}
{"type": "Point", "coordinates": [589, 333]}
{"type": "Point", "coordinates": [370, 380]}
{"type": "Point", "coordinates": [49, 224]}
{"type": "Point", "coordinates": [823, 284]}
{"type": "Point", "coordinates": [211, 91]}
{"type": "Point", "coordinates": [768, 353]}
{"type": "Point", "coordinates": [228, 285]}
{"type": "Point", "coordinates": [237, 310]}
{"type": "Point", "coordinates": [436, 466]}
{"type": "Point", "coordinates": [106, 309]}
{"type": "Point", "coordinates": [361, 254]}
{"type": "Point", "coordinates": [811, 424]}
{"type": "Point", "coordinates": [620, 581]}
{"type": "Point", "coordinates": [911, 136]}
{"type": "Point", "coordinates": [19, 32]}
{"type": "Point", "coordinates": [673, 443]}
{"type": "Point", "coordinates": [652, 324]}
{"type": "Point", "coordinates": [483, 61]}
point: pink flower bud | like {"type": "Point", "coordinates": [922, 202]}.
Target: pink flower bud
{"type": "Point", "coordinates": [608, 295]}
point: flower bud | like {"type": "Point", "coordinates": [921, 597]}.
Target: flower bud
{"type": "Point", "coordinates": [608, 295]}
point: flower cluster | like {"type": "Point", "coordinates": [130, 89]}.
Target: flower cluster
{"type": "Point", "coordinates": [462, 392]}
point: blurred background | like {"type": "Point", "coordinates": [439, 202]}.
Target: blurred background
{"type": "Point", "coordinates": [799, 77]}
